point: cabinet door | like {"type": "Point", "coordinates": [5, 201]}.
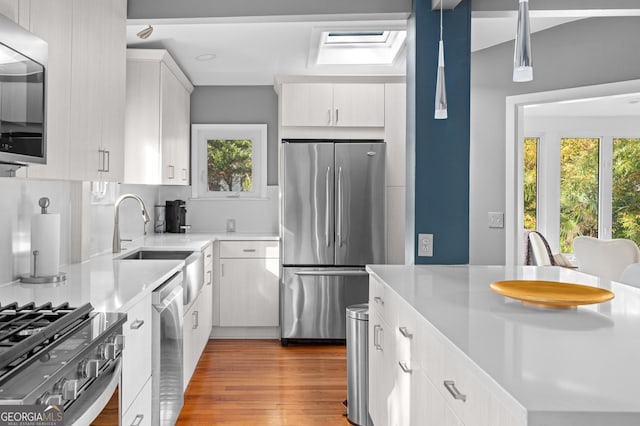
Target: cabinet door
{"type": "Point", "coordinates": [142, 130]}
{"type": "Point", "coordinates": [52, 22]}
{"type": "Point", "coordinates": [428, 406]}
{"type": "Point", "coordinates": [358, 105]}
{"type": "Point", "coordinates": [307, 104]}
{"type": "Point", "coordinates": [113, 50]}
{"type": "Point", "coordinates": [136, 365]}
{"type": "Point", "coordinates": [172, 126]}
{"type": "Point", "coordinates": [381, 370]}
{"type": "Point", "coordinates": [249, 292]}
{"type": "Point", "coordinates": [189, 357]}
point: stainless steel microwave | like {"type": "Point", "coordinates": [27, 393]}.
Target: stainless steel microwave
{"type": "Point", "coordinates": [23, 94]}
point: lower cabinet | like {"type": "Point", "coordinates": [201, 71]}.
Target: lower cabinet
{"type": "Point", "coordinates": [249, 284]}
{"type": "Point", "coordinates": [139, 413]}
{"type": "Point", "coordinates": [416, 377]}
{"type": "Point", "coordinates": [136, 361]}
{"type": "Point", "coordinates": [196, 329]}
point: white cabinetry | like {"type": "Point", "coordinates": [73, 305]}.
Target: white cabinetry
{"type": "Point", "coordinates": [333, 104]}
{"type": "Point", "coordinates": [85, 84]}
{"type": "Point", "coordinates": [249, 285]}
{"type": "Point", "coordinates": [157, 123]}
{"type": "Point", "coordinates": [197, 321]}
{"type": "Point", "coordinates": [136, 363]}
{"type": "Point", "coordinates": [416, 377]}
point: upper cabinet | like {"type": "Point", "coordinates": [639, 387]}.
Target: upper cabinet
{"type": "Point", "coordinates": [332, 104]}
{"type": "Point", "coordinates": [157, 126]}
{"type": "Point", "coordinates": [85, 84]}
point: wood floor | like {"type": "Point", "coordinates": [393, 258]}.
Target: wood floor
{"type": "Point", "coordinates": [258, 382]}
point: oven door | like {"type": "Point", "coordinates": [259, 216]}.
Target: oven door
{"type": "Point", "coordinates": [100, 404]}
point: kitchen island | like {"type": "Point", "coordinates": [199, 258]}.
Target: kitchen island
{"type": "Point", "coordinates": [461, 354]}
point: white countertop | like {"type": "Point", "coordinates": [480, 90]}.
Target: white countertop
{"type": "Point", "coordinates": [581, 364]}
{"type": "Point", "coordinates": [111, 284]}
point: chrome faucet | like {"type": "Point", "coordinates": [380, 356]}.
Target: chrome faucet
{"type": "Point", "coordinates": [116, 219]}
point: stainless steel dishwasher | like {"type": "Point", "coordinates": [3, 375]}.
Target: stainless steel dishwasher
{"type": "Point", "coordinates": [167, 380]}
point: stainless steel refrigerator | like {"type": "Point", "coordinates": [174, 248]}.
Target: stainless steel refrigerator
{"type": "Point", "coordinates": [332, 225]}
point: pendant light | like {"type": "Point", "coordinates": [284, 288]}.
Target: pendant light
{"type": "Point", "coordinates": [441, 90]}
{"type": "Point", "coordinates": [522, 62]}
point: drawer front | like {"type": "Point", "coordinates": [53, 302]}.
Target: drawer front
{"type": "Point", "coordinates": [244, 249]}
{"type": "Point", "coordinates": [139, 413]}
{"type": "Point", "coordinates": [207, 254]}
{"type": "Point", "coordinates": [136, 356]}
{"type": "Point", "coordinates": [377, 297]}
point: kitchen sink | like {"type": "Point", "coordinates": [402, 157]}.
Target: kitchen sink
{"type": "Point", "coordinates": [157, 255]}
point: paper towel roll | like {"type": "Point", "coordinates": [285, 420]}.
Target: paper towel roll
{"type": "Point", "coordinates": [45, 237]}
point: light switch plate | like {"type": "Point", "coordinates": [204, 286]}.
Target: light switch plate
{"type": "Point", "coordinates": [496, 220]}
{"type": "Point", "coordinates": [231, 225]}
{"type": "Point", "coordinates": [425, 245]}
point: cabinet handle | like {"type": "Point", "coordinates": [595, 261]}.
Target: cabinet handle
{"type": "Point", "coordinates": [103, 160]}
{"type": "Point", "coordinates": [337, 115]}
{"type": "Point", "coordinates": [184, 174]}
{"type": "Point", "coordinates": [455, 393]}
{"type": "Point", "coordinates": [209, 255]}
{"type": "Point", "coordinates": [405, 332]}
{"type": "Point", "coordinates": [249, 250]}
{"type": "Point", "coordinates": [137, 420]}
{"type": "Point", "coordinates": [171, 172]}
{"type": "Point", "coordinates": [136, 324]}
{"type": "Point", "coordinates": [378, 300]}
{"type": "Point", "coordinates": [195, 319]}
{"type": "Point", "coordinates": [377, 331]}
{"type": "Point", "coordinates": [404, 367]}
{"type": "Point", "coordinates": [329, 116]}
{"type": "Point", "coordinates": [208, 277]}
{"type": "Point", "coordinates": [222, 269]}
{"type": "Point", "coordinates": [107, 161]}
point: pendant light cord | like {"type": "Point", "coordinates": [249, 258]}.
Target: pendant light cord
{"type": "Point", "coordinates": [441, 19]}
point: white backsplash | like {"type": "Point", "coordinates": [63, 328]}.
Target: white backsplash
{"type": "Point", "coordinates": [19, 201]}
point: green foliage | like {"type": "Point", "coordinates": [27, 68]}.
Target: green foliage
{"type": "Point", "coordinates": [578, 189]}
{"type": "Point", "coordinates": [626, 187]}
{"type": "Point", "coordinates": [229, 164]}
{"type": "Point", "coordinates": [530, 182]}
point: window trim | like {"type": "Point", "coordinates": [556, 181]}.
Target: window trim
{"type": "Point", "coordinates": [201, 133]}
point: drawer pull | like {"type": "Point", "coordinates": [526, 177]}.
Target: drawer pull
{"type": "Point", "coordinates": [209, 255]}
{"type": "Point", "coordinates": [377, 330]}
{"type": "Point", "coordinates": [404, 367]}
{"type": "Point", "coordinates": [137, 420]}
{"type": "Point", "coordinates": [378, 300]}
{"type": "Point", "coordinates": [209, 278]}
{"type": "Point", "coordinates": [455, 393]}
{"type": "Point", "coordinates": [405, 332]}
{"type": "Point", "coordinates": [136, 324]}
{"type": "Point", "coordinates": [195, 320]}
{"type": "Point", "coordinates": [249, 250]}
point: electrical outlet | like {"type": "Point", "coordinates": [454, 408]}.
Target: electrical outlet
{"type": "Point", "coordinates": [496, 220]}
{"type": "Point", "coordinates": [425, 245]}
{"type": "Point", "coordinates": [231, 225]}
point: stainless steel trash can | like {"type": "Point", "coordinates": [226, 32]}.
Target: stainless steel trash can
{"type": "Point", "coordinates": [357, 364]}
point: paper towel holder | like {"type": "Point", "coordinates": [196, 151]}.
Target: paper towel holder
{"type": "Point", "coordinates": [33, 278]}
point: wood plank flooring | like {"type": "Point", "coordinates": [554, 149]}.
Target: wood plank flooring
{"type": "Point", "coordinates": [258, 382]}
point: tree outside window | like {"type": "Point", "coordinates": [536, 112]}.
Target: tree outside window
{"type": "Point", "coordinates": [229, 165]}
{"type": "Point", "coordinates": [530, 183]}
{"type": "Point", "coordinates": [626, 189]}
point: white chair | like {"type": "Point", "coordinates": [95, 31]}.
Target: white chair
{"type": "Point", "coordinates": [606, 259]}
{"type": "Point", "coordinates": [631, 275]}
{"type": "Point", "coordinates": [540, 252]}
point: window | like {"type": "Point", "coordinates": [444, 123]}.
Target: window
{"type": "Point", "coordinates": [626, 189]}
{"type": "Point", "coordinates": [229, 160]}
{"type": "Point", "coordinates": [579, 167]}
{"type": "Point", "coordinates": [530, 183]}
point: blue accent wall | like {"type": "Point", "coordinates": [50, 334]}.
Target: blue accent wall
{"type": "Point", "coordinates": [441, 146]}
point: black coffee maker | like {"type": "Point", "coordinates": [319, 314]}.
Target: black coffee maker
{"type": "Point", "coordinates": [175, 216]}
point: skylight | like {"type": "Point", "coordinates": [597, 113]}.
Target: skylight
{"type": "Point", "coordinates": [378, 47]}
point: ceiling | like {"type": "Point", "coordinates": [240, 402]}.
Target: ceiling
{"type": "Point", "coordinates": [253, 53]}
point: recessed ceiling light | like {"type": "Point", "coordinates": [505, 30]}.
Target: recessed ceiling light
{"type": "Point", "coordinates": [206, 57]}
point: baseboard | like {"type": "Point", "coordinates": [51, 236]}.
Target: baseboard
{"type": "Point", "coordinates": [245, 333]}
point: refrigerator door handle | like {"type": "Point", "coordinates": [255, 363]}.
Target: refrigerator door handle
{"type": "Point", "coordinates": [327, 213]}
{"type": "Point", "coordinates": [340, 207]}
{"type": "Point", "coordinates": [343, 272]}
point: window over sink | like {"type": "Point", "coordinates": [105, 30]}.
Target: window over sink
{"type": "Point", "coordinates": [229, 160]}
